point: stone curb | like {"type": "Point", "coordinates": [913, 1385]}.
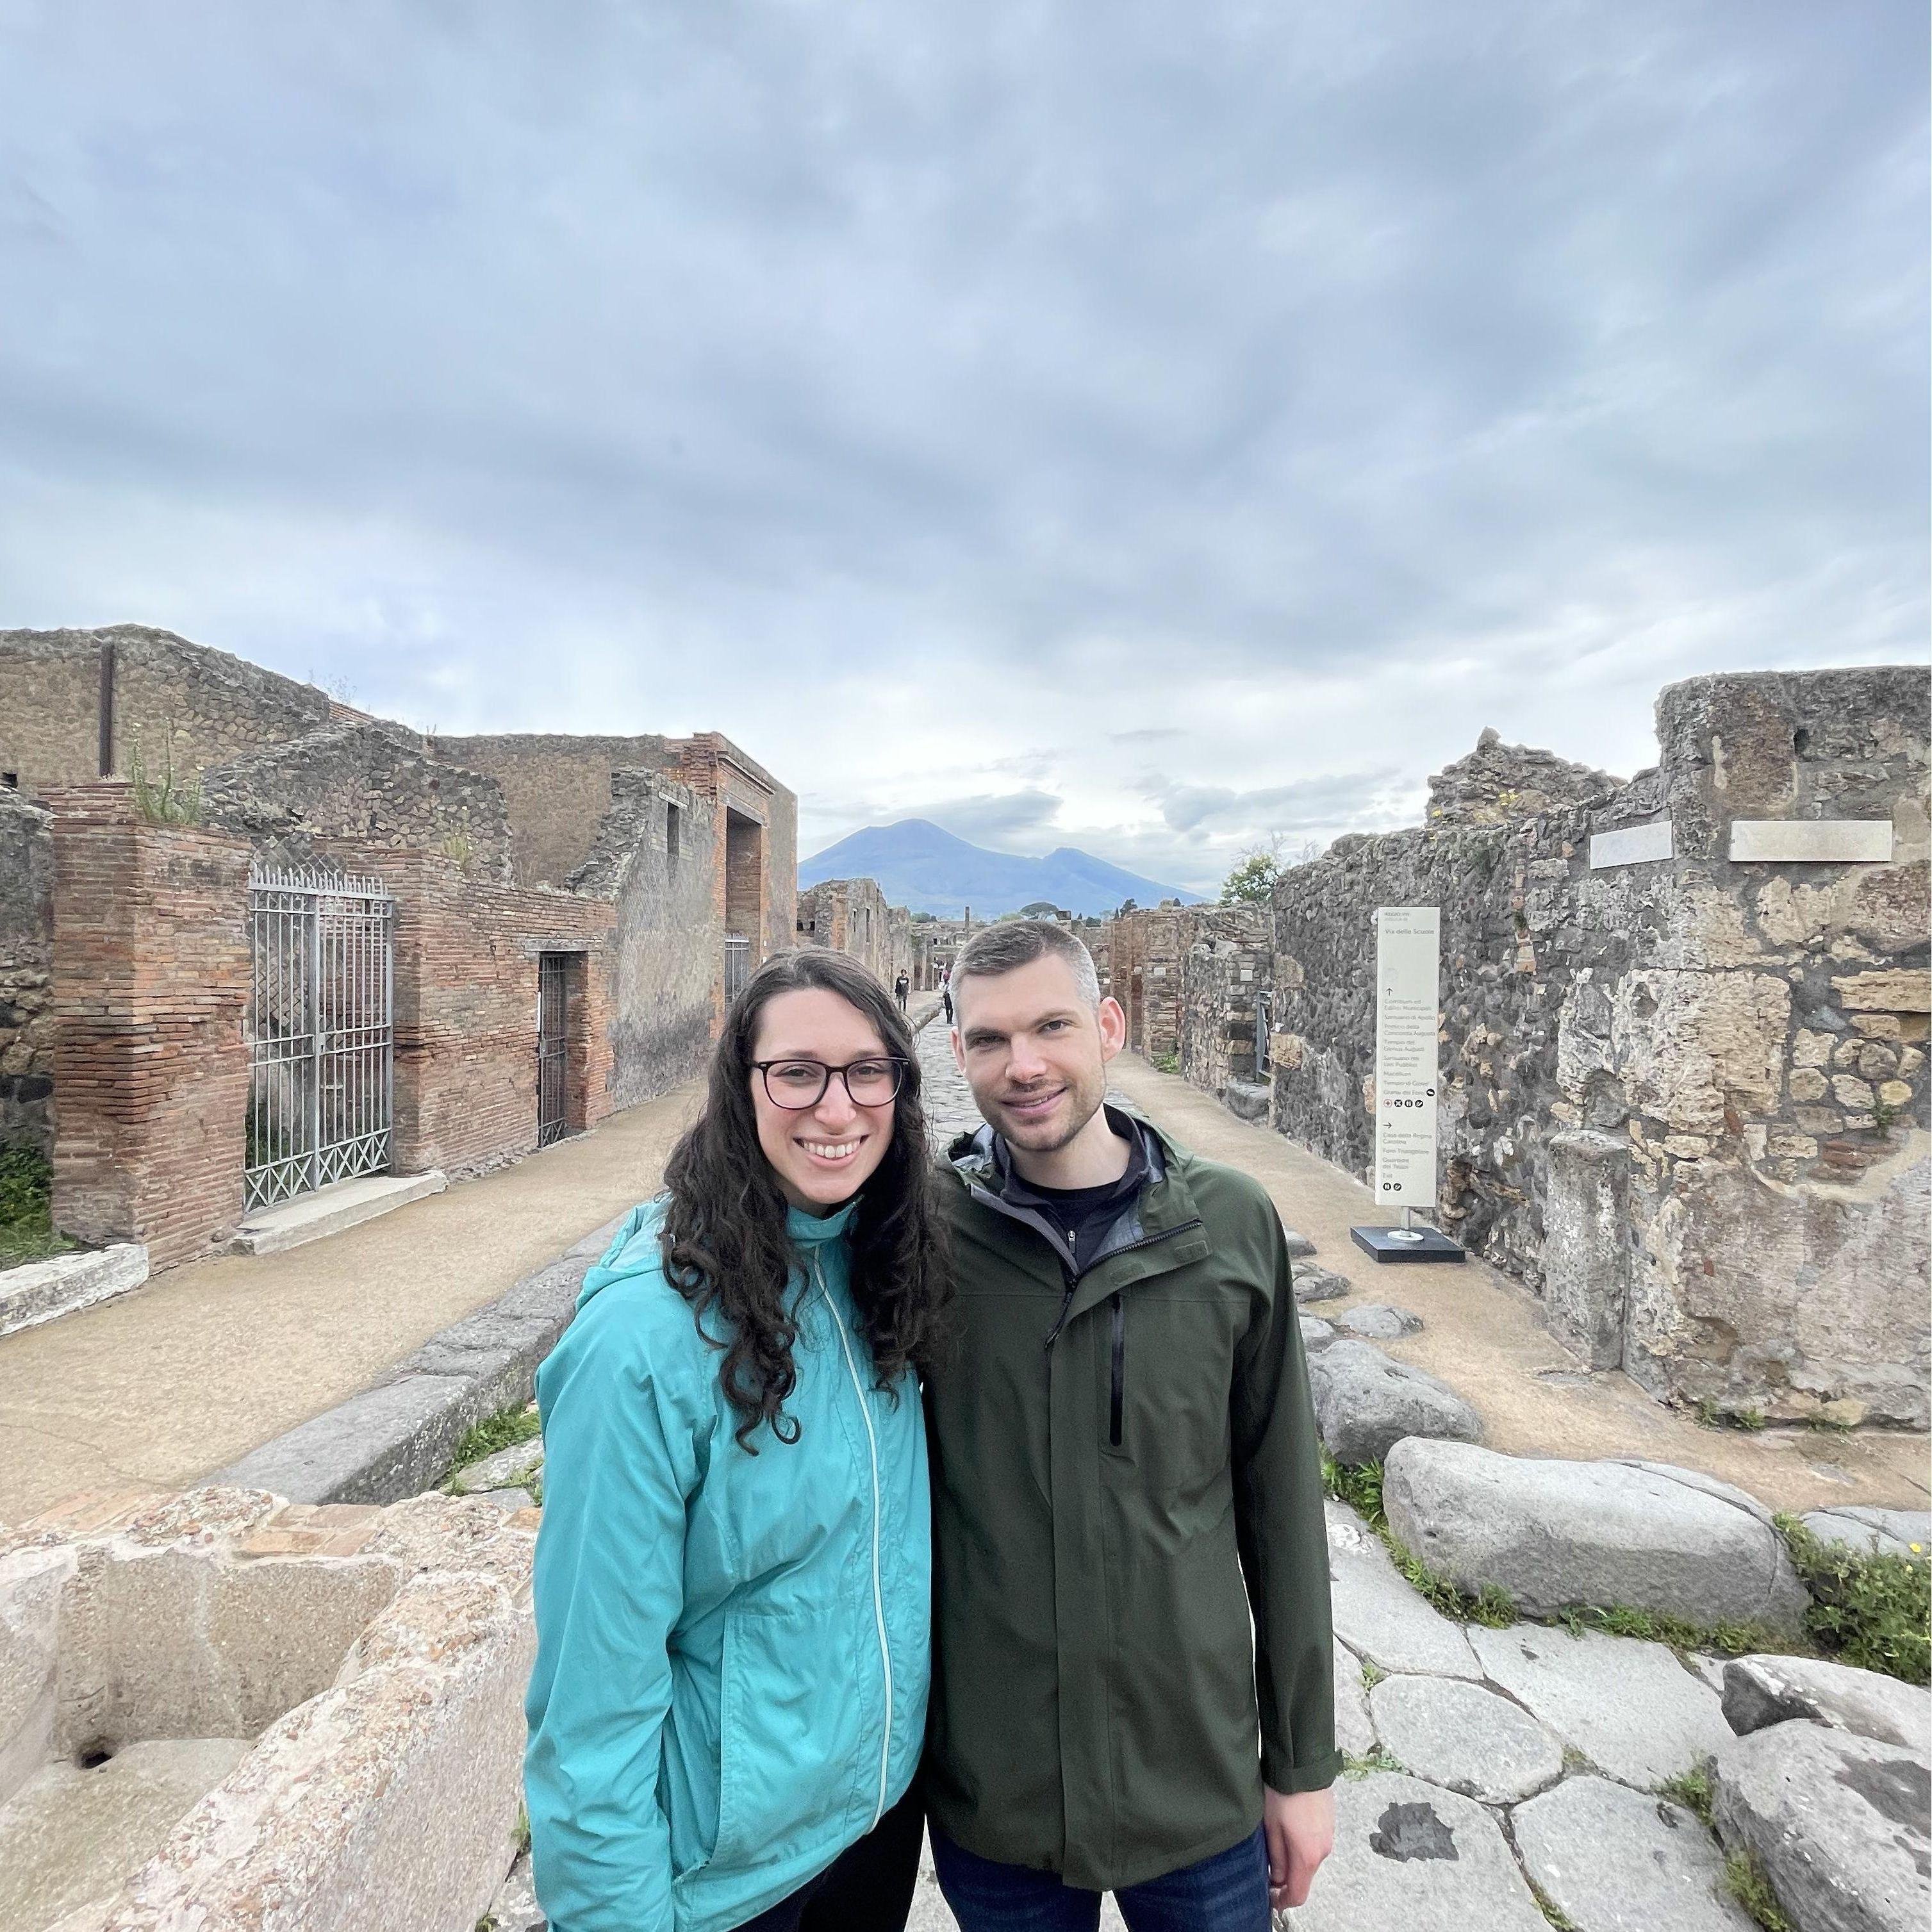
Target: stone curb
{"type": "Point", "coordinates": [396, 1438]}
{"type": "Point", "coordinates": [37, 1291]}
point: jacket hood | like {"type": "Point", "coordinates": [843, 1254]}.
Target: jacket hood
{"type": "Point", "coordinates": [638, 1249]}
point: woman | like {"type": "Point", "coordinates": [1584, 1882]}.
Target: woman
{"type": "Point", "coordinates": [733, 1576]}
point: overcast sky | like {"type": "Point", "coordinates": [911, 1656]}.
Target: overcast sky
{"type": "Point", "coordinates": [1146, 428]}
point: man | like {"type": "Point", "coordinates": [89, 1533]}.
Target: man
{"type": "Point", "coordinates": [1122, 1436]}
{"type": "Point", "coordinates": [900, 987]}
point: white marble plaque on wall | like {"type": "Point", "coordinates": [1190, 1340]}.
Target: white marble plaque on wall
{"type": "Point", "coordinates": [1812, 841]}
{"type": "Point", "coordinates": [1633, 844]}
{"type": "Point", "coordinates": [1408, 940]}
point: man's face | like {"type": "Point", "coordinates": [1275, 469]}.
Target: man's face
{"type": "Point", "coordinates": [1034, 1052]}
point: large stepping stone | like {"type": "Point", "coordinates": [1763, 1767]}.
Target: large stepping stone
{"type": "Point", "coordinates": [1630, 1708]}
{"type": "Point", "coordinates": [1411, 1858]}
{"type": "Point", "coordinates": [1365, 1403]}
{"type": "Point", "coordinates": [1873, 1532]}
{"type": "Point", "coordinates": [1837, 1822]}
{"type": "Point", "coordinates": [1762, 1690]}
{"type": "Point", "coordinates": [1378, 1616]}
{"type": "Point", "coordinates": [1355, 1730]}
{"type": "Point", "coordinates": [1673, 1542]}
{"type": "Point", "coordinates": [1614, 1860]}
{"type": "Point", "coordinates": [1466, 1736]}
{"type": "Point", "coordinates": [1315, 1332]}
{"type": "Point", "coordinates": [1376, 1321]}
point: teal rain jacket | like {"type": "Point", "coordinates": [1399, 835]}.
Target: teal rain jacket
{"type": "Point", "coordinates": [733, 1649]}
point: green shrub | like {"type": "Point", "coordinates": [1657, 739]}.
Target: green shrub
{"type": "Point", "coordinates": [1874, 1612]}
{"type": "Point", "coordinates": [1357, 1484]}
{"type": "Point", "coordinates": [516, 1424]}
{"type": "Point", "coordinates": [27, 1232]}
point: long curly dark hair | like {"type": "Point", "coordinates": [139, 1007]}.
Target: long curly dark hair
{"type": "Point", "coordinates": [725, 1246]}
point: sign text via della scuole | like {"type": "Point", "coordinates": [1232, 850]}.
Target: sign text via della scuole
{"type": "Point", "coordinates": [1407, 942]}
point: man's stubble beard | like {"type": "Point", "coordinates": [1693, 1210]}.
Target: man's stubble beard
{"type": "Point", "coordinates": [1085, 1097]}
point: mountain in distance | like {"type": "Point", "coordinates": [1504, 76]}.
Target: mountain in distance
{"type": "Point", "coordinates": [921, 865]}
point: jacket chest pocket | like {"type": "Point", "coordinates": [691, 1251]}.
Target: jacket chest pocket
{"type": "Point", "coordinates": [1164, 1368]}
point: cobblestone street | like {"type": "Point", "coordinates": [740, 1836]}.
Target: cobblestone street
{"type": "Point", "coordinates": [948, 1099]}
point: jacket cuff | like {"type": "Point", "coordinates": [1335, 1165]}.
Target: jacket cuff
{"type": "Point", "coordinates": [1279, 1772]}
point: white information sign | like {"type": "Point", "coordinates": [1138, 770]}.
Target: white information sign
{"type": "Point", "coordinates": [1812, 841]}
{"type": "Point", "coordinates": [1633, 844]}
{"type": "Point", "coordinates": [1407, 939]}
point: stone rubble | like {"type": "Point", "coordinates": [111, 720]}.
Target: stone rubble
{"type": "Point", "coordinates": [1315, 1283]}
{"type": "Point", "coordinates": [1365, 1402]}
{"type": "Point", "coordinates": [1375, 1322]}
{"type": "Point", "coordinates": [1762, 1690]}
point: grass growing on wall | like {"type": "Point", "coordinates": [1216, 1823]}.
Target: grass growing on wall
{"type": "Point", "coordinates": [27, 1232]}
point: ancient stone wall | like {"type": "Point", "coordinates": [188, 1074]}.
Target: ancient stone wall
{"type": "Point", "coordinates": [1145, 948]}
{"type": "Point", "coordinates": [1223, 970]}
{"type": "Point", "coordinates": [556, 790]}
{"type": "Point", "coordinates": [351, 781]}
{"type": "Point", "coordinates": [26, 973]}
{"type": "Point", "coordinates": [150, 1067]}
{"type": "Point", "coordinates": [1684, 1098]}
{"type": "Point", "coordinates": [465, 1008]}
{"type": "Point", "coordinates": [669, 940]}
{"type": "Point", "coordinates": [850, 916]}
{"type": "Point", "coordinates": [207, 707]}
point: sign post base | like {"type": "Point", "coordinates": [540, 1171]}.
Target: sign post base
{"type": "Point", "coordinates": [1409, 1244]}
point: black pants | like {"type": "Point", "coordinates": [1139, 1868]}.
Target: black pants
{"type": "Point", "coordinates": [868, 1888]}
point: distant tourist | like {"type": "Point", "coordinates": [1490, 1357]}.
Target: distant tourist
{"type": "Point", "coordinates": [1125, 1473]}
{"type": "Point", "coordinates": [946, 993]}
{"type": "Point", "coordinates": [901, 986]}
{"type": "Point", "coordinates": [734, 1575]}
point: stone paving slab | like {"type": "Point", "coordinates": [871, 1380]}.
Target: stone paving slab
{"type": "Point", "coordinates": [1630, 1708]}
{"type": "Point", "coordinates": [1614, 1860]}
{"type": "Point", "coordinates": [1411, 1858]}
{"type": "Point", "coordinates": [39, 1291]}
{"type": "Point", "coordinates": [1465, 1737]}
{"type": "Point", "coordinates": [1376, 1613]}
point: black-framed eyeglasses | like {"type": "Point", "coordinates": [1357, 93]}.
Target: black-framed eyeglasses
{"type": "Point", "coordinates": [796, 1084]}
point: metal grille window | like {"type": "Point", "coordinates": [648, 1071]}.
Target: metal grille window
{"type": "Point", "coordinates": [1264, 1025]}
{"type": "Point", "coordinates": [553, 1048]}
{"type": "Point", "coordinates": [737, 965]}
{"type": "Point", "coordinates": [319, 1031]}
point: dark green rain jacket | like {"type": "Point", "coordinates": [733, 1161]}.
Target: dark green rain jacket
{"type": "Point", "coordinates": [1125, 1470]}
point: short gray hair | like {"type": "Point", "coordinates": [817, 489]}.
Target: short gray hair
{"type": "Point", "coordinates": [994, 950]}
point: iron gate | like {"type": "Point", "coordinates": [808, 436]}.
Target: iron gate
{"type": "Point", "coordinates": [553, 1048]}
{"type": "Point", "coordinates": [321, 1075]}
{"type": "Point", "coordinates": [737, 965]}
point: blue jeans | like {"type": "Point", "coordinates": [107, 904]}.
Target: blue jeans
{"type": "Point", "coordinates": [1227, 1893]}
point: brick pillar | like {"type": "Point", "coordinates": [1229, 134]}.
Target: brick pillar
{"type": "Point", "coordinates": [151, 982]}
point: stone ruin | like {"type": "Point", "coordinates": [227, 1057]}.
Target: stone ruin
{"type": "Point", "coordinates": [1684, 1034]}
{"type": "Point", "coordinates": [221, 1712]}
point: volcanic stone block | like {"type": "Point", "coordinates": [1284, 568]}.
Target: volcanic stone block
{"type": "Point", "coordinates": [1365, 1403]}
{"type": "Point", "coordinates": [1553, 1534]}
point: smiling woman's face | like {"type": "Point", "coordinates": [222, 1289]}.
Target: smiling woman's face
{"type": "Point", "coordinates": [822, 1155]}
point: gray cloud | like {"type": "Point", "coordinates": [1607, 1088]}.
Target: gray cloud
{"type": "Point", "coordinates": [902, 389]}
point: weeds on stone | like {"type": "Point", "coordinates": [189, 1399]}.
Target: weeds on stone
{"type": "Point", "coordinates": [503, 1430]}
{"type": "Point", "coordinates": [1372, 1674]}
{"type": "Point", "coordinates": [1165, 1062]}
{"type": "Point", "coordinates": [1378, 1760]}
{"type": "Point", "coordinates": [1731, 1640]}
{"type": "Point", "coordinates": [27, 1232]}
{"type": "Point", "coordinates": [172, 802]}
{"type": "Point", "coordinates": [1745, 1879]}
{"type": "Point", "coordinates": [1711, 1414]}
{"type": "Point", "coordinates": [520, 1836]}
{"type": "Point", "coordinates": [1357, 1484]}
{"type": "Point", "coordinates": [1872, 1611]}
{"type": "Point", "coordinates": [1549, 1907]}
{"type": "Point", "coordinates": [1692, 1789]}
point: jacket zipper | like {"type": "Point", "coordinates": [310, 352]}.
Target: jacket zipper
{"type": "Point", "coordinates": [1125, 1248]}
{"type": "Point", "coordinates": [878, 1598]}
{"type": "Point", "coordinates": [1120, 1327]}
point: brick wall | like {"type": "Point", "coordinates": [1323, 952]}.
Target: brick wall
{"type": "Point", "coordinates": [26, 973]}
{"type": "Point", "coordinates": [466, 1007]}
{"type": "Point", "coordinates": [850, 916]}
{"type": "Point", "coordinates": [1145, 948]}
{"type": "Point", "coordinates": [151, 1072]}
{"type": "Point", "coordinates": [1225, 967]}
{"type": "Point", "coordinates": [556, 790]}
